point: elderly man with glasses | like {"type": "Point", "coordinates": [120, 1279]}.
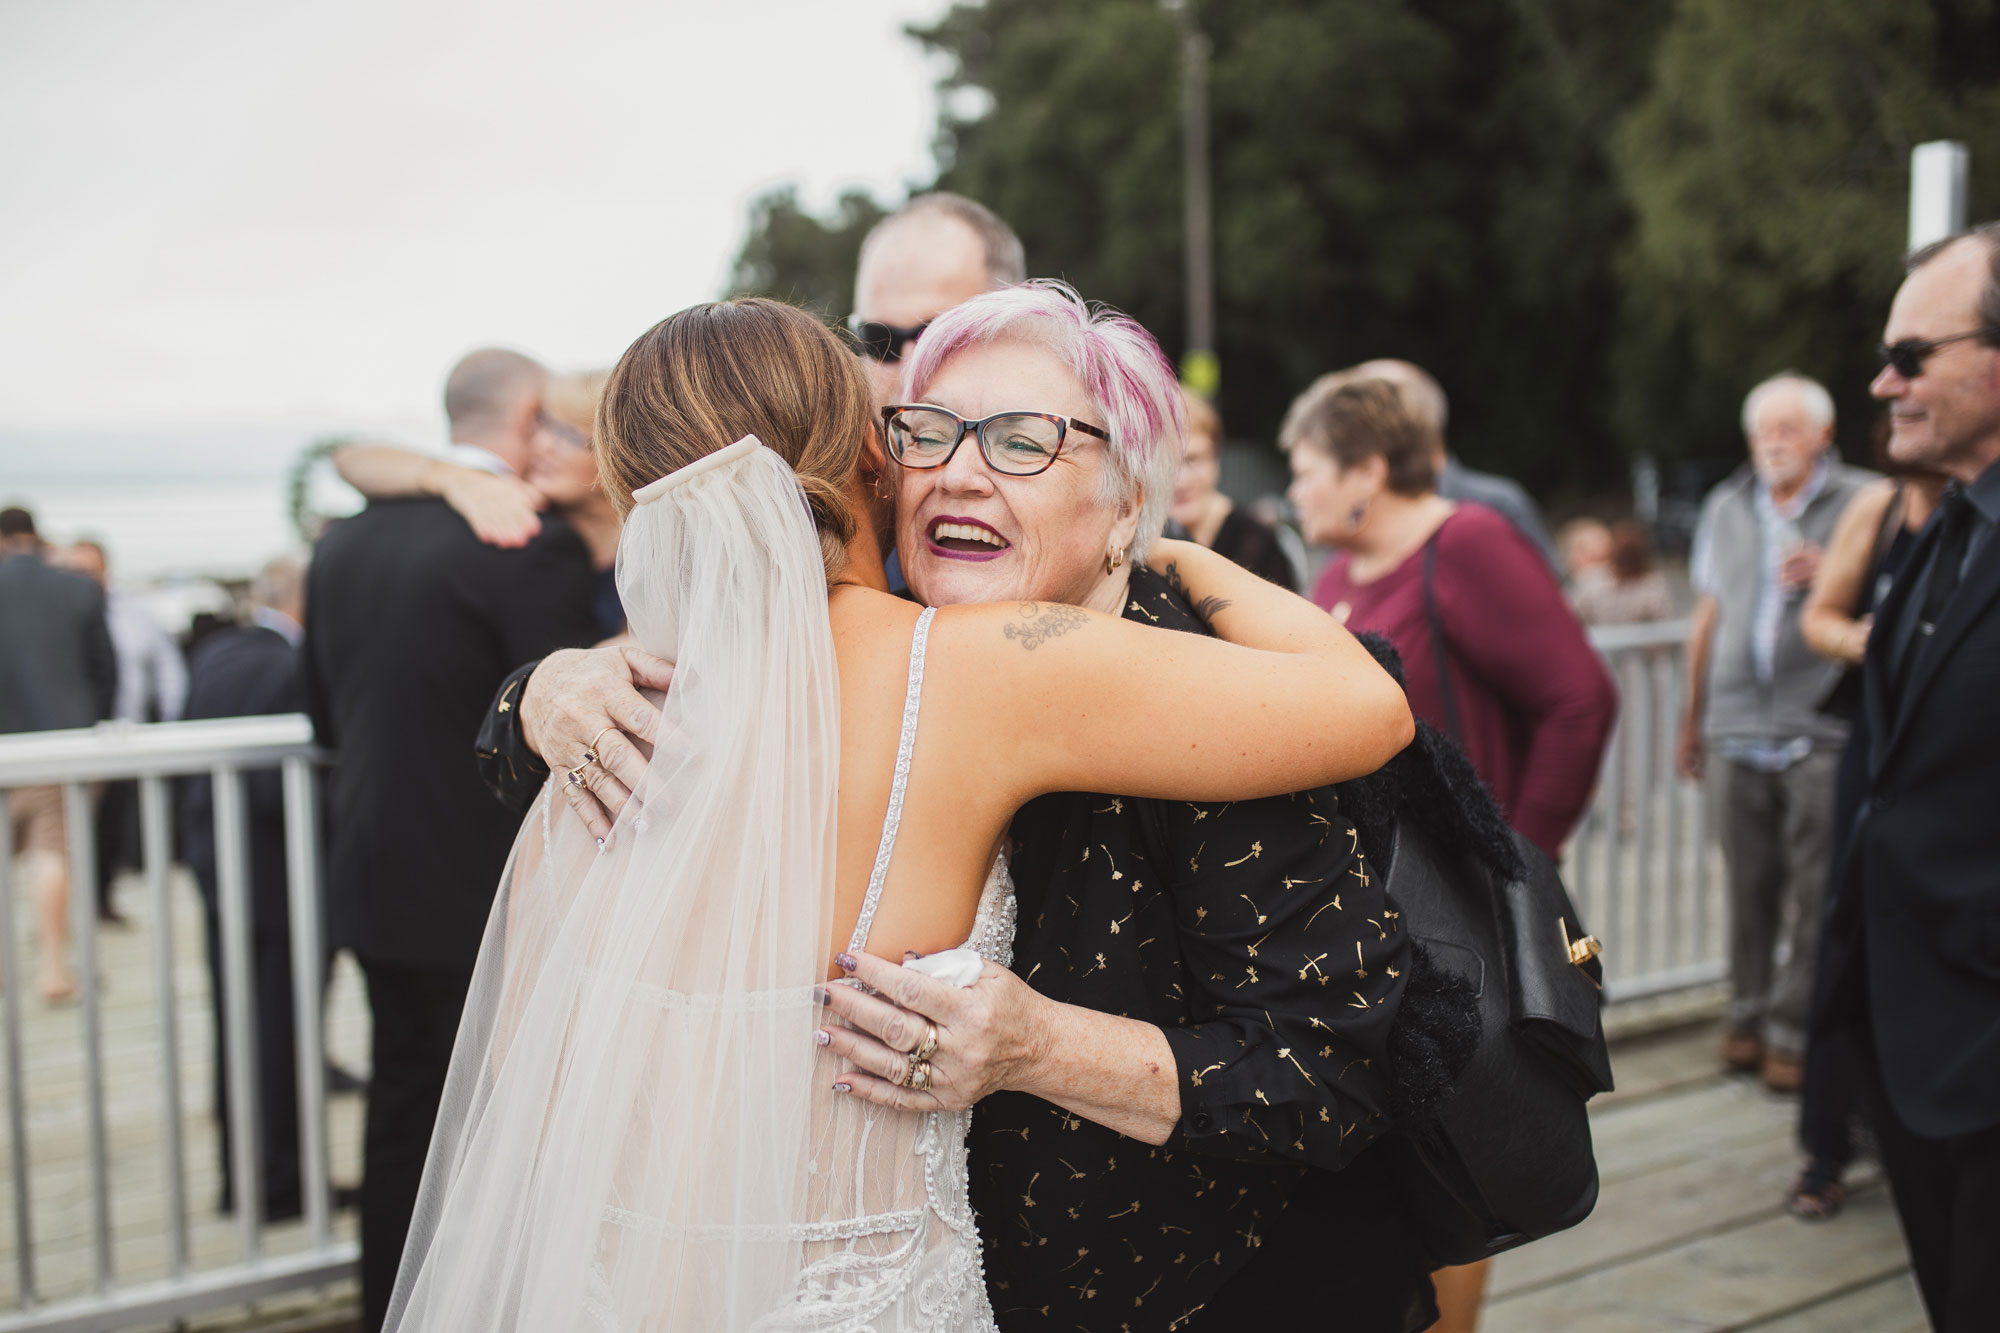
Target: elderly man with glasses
{"type": "Point", "coordinates": [1917, 907]}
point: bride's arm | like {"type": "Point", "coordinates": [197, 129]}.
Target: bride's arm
{"type": "Point", "coordinates": [501, 511]}
{"type": "Point", "coordinates": [1056, 698]}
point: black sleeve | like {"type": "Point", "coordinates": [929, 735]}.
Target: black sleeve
{"type": "Point", "coordinates": [1297, 961]}
{"type": "Point", "coordinates": [512, 771]}
{"type": "Point", "coordinates": [542, 597]}
{"type": "Point", "coordinates": [100, 658]}
{"type": "Point", "coordinates": [314, 697]}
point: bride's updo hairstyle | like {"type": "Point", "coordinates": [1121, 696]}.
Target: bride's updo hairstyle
{"type": "Point", "coordinates": [700, 380]}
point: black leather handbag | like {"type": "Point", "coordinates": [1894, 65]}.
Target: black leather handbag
{"type": "Point", "coordinates": [1508, 1158]}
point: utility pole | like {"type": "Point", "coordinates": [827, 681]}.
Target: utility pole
{"type": "Point", "coordinates": [1200, 370]}
{"type": "Point", "coordinates": [1937, 191]}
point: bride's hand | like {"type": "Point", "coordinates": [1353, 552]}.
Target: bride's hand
{"type": "Point", "coordinates": [586, 701]}
{"type": "Point", "coordinates": [989, 1034]}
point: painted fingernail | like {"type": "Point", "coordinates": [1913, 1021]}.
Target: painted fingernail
{"type": "Point", "coordinates": [822, 1038]}
{"type": "Point", "coordinates": [600, 844]}
{"type": "Point", "coordinates": [844, 961]}
{"type": "Point", "coordinates": [819, 993]}
{"type": "Point", "coordinates": [911, 955]}
{"type": "Point", "coordinates": [842, 1087]}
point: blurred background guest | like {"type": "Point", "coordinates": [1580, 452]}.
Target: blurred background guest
{"type": "Point", "coordinates": [57, 670]}
{"type": "Point", "coordinates": [1209, 516]}
{"type": "Point", "coordinates": [1424, 399]}
{"type": "Point", "coordinates": [1870, 546]}
{"type": "Point", "coordinates": [244, 671]}
{"type": "Point", "coordinates": [1584, 548]}
{"type": "Point", "coordinates": [1628, 588]}
{"type": "Point", "coordinates": [152, 687]}
{"type": "Point", "coordinates": [504, 510]}
{"type": "Point", "coordinates": [411, 624]}
{"type": "Point", "coordinates": [938, 250]}
{"type": "Point", "coordinates": [1492, 654]}
{"type": "Point", "coordinates": [1754, 690]}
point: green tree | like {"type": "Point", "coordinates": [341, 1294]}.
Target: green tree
{"type": "Point", "coordinates": [1768, 168]}
{"type": "Point", "coordinates": [1428, 179]}
{"type": "Point", "coordinates": [793, 256]}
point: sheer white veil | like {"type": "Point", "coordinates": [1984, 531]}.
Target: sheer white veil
{"type": "Point", "coordinates": [626, 1127]}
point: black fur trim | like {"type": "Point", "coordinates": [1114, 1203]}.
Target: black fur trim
{"type": "Point", "coordinates": [1434, 1037]}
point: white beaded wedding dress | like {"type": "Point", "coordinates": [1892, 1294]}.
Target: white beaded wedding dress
{"type": "Point", "coordinates": [638, 1134]}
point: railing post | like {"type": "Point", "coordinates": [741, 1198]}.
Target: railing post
{"type": "Point", "coordinates": [155, 839]}
{"type": "Point", "coordinates": [17, 1103]}
{"type": "Point", "coordinates": [77, 816]}
{"type": "Point", "coordinates": [232, 892]}
{"type": "Point", "coordinates": [302, 885]}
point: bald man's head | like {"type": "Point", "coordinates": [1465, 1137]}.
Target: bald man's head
{"type": "Point", "coordinates": [493, 397]}
{"type": "Point", "coordinates": [937, 251]}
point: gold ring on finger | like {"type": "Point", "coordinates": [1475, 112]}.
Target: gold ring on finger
{"type": "Point", "coordinates": [600, 736]}
{"type": "Point", "coordinates": [574, 777]}
{"type": "Point", "coordinates": [920, 1077]}
{"type": "Point", "coordinates": [928, 1046]}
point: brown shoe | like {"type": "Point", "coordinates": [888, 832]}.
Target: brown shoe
{"type": "Point", "coordinates": [1783, 1073]}
{"type": "Point", "coordinates": [1742, 1052]}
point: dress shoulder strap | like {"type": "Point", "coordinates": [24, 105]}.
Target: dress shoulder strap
{"type": "Point", "coordinates": [892, 821]}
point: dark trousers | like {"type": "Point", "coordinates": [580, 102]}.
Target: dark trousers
{"type": "Point", "coordinates": [273, 1035]}
{"type": "Point", "coordinates": [117, 838]}
{"type": "Point", "coordinates": [1947, 1194]}
{"type": "Point", "coordinates": [416, 1014]}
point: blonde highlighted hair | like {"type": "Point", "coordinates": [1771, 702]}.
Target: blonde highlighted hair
{"type": "Point", "coordinates": [702, 379]}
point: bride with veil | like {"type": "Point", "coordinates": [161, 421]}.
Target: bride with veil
{"type": "Point", "coordinates": [638, 1130]}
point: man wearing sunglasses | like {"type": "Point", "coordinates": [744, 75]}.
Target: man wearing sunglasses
{"type": "Point", "coordinates": [1917, 909]}
{"type": "Point", "coordinates": [935, 252]}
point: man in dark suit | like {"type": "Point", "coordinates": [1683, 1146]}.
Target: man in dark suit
{"type": "Point", "coordinates": [411, 624]}
{"type": "Point", "coordinates": [245, 671]}
{"type": "Point", "coordinates": [57, 671]}
{"type": "Point", "coordinates": [1917, 919]}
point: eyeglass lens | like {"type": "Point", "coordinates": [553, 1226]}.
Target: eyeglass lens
{"type": "Point", "coordinates": [1017, 443]}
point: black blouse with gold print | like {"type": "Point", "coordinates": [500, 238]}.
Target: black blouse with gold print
{"type": "Point", "coordinates": [1271, 957]}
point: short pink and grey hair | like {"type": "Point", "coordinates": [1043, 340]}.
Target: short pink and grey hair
{"type": "Point", "coordinates": [1119, 363]}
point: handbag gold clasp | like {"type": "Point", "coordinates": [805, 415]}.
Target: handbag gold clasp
{"type": "Point", "coordinates": [1580, 950]}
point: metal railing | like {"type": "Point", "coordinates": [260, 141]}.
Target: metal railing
{"type": "Point", "coordinates": [1641, 869]}
{"type": "Point", "coordinates": [1643, 866]}
{"type": "Point", "coordinates": [223, 750]}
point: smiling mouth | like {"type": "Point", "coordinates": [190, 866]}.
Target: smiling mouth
{"type": "Point", "coordinates": [962, 540]}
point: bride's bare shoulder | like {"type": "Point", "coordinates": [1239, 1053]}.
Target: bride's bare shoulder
{"type": "Point", "coordinates": [866, 622]}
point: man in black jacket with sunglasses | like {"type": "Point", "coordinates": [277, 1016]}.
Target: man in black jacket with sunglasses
{"type": "Point", "coordinates": [1918, 906]}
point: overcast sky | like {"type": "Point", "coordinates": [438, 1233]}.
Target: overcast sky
{"type": "Point", "coordinates": [221, 211]}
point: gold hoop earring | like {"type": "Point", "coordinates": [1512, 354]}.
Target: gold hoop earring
{"type": "Point", "coordinates": [1113, 560]}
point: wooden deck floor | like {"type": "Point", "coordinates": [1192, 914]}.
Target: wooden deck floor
{"type": "Point", "coordinates": [1690, 1233]}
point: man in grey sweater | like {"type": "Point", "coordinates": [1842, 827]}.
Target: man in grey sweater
{"type": "Point", "coordinates": [1752, 726]}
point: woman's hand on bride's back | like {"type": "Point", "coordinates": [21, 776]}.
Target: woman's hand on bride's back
{"type": "Point", "coordinates": [990, 1034]}
{"type": "Point", "coordinates": [586, 702]}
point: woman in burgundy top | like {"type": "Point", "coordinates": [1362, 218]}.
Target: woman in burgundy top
{"type": "Point", "coordinates": [1534, 703]}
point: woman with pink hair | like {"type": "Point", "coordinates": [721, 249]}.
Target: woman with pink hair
{"type": "Point", "coordinates": [1180, 1075]}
